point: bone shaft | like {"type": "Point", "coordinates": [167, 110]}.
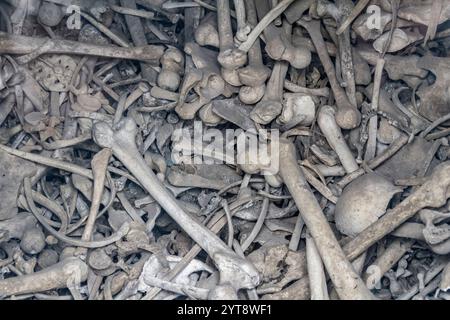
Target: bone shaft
{"type": "Point", "coordinates": [224, 24]}
{"type": "Point", "coordinates": [26, 45]}
{"type": "Point", "coordinates": [254, 54]}
{"type": "Point", "coordinates": [393, 253]}
{"type": "Point", "coordinates": [348, 284]}
{"type": "Point", "coordinates": [54, 277]}
{"type": "Point", "coordinates": [198, 232]}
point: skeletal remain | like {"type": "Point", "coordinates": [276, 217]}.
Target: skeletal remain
{"type": "Point", "coordinates": [172, 63]}
{"type": "Point", "coordinates": [206, 34]}
{"type": "Point", "coordinates": [436, 97]}
{"type": "Point", "coordinates": [318, 283]}
{"type": "Point", "coordinates": [270, 105]}
{"type": "Point", "coordinates": [362, 202]}
{"type": "Point", "coordinates": [50, 14]}
{"type": "Point", "coordinates": [27, 45]}
{"type": "Point", "coordinates": [235, 272]}
{"type": "Point", "coordinates": [400, 40]}
{"type": "Point", "coordinates": [297, 109]}
{"type": "Point", "coordinates": [347, 116]}
{"type": "Point", "coordinates": [69, 272]}
{"type": "Point", "coordinates": [243, 29]}
{"type": "Point", "coordinates": [15, 227]}
{"type": "Point", "coordinates": [234, 112]}
{"type": "Point", "coordinates": [385, 261]}
{"type": "Point", "coordinates": [333, 134]}
{"type": "Point", "coordinates": [278, 41]}
{"type": "Point", "coordinates": [230, 58]}
{"type": "Point", "coordinates": [255, 74]}
{"type": "Point", "coordinates": [347, 283]}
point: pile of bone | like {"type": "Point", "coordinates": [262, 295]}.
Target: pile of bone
{"type": "Point", "coordinates": [102, 198]}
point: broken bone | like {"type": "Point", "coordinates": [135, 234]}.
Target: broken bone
{"type": "Point", "coordinates": [235, 272]}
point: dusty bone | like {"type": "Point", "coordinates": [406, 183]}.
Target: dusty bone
{"type": "Point", "coordinates": [333, 134]}
{"type": "Point", "coordinates": [255, 74]}
{"type": "Point", "coordinates": [322, 92]}
{"type": "Point", "coordinates": [235, 272]}
{"type": "Point", "coordinates": [71, 271]}
{"type": "Point", "coordinates": [339, 12]}
{"type": "Point", "coordinates": [230, 58]}
{"type": "Point", "coordinates": [398, 67]}
{"type": "Point", "coordinates": [270, 105]}
{"type": "Point", "coordinates": [317, 279]}
{"type": "Point", "coordinates": [243, 29]}
{"type": "Point", "coordinates": [435, 98]}
{"type": "Point", "coordinates": [12, 172]}
{"type": "Point", "coordinates": [362, 202]}
{"type": "Point", "coordinates": [234, 112]}
{"type": "Point", "coordinates": [206, 34]}
{"type": "Point", "coordinates": [347, 283]}
{"type": "Point", "coordinates": [298, 109]}
{"type": "Point", "coordinates": [25, 45]}
{"type": "Point", "coordinates": [203, 176]}
{"type": "Point", "coordinates": [172, 63]}
{"type": "Point", "coordinates": [16, 226]}
{"type": "Point", "coordinates": [400, 40]}
{"type": "Point", "coordinates": [278, 41]}
{"type": "Point", "coordinates": [347, 116]}
{"type": "Point", "coordinates": [384, 262]}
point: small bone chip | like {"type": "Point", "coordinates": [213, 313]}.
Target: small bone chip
{"type": "Point", "coordinates": [12, 172]}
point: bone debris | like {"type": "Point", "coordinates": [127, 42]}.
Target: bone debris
{"type": "Point", "coordinates": [209, 150]}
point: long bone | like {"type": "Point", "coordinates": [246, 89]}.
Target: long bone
{"type": "Point", "coordinates": [230, 58]}
{"type": "Point", "coordinates": [25, 45]}
{"type": "Point", "coordinates": [347, 282]}
{"type": "Point", "coordinates": [253, 76]}
{"type": "Point", "coordinates": [235, 272]}
{"type": "Point", "coordinates": [347, 116]}
{"type": "Point", "coordinates": [278, 41]}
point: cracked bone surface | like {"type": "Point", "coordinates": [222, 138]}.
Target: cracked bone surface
{"type": "Point", "coordinates": [347, 282]}
{"type": "Point", "coordinates": [69, 272]}
{"type": "Point", "coordinates": [235, 272]}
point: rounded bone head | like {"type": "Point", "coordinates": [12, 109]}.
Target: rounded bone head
{"type": "Point", "coordinates": [363, 202]}
{"type": "Point", "coordinates": [50, 14]}
{"type": "Point", "coordinates": [232, 58]}
{"type": "Point", "coordinates": [206, 35]}
{"type": "Point", "coordinates": [348, 118]}
{"type": "Point", "coordinates": [251, 95]}
{"type": "Point", "coordinates": [254, 75]}
{"type": "Point", "coordinates": [102, 134]}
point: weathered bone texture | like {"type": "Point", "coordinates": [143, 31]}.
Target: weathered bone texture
{"type": "Point", "coordinates": [235, 272]}
{"type": "Point", "coordinates": [26, 45]}
{"type": "Point", "coordinates": [346, 281]}
{"type": "Point", "coordinates": [70, 271]}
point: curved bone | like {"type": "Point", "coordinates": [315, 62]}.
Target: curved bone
{"type": "Point", "coordinates": [235, 272]}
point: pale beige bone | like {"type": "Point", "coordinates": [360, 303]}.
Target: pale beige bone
{"type": "Point", "coordinates": [235, 272]}
{"type": "Point", "coordinates": [347, 116]}
{"type": "Point", "coordinates": [172, 62]}
{"type": "Point", "coordinates": [22, 45]}
{"type": "Point", "coordinates": [255, 74]}
{"type": "Point", "coordinates": [333, 134]}
{"type": "Point", "coordinates": [347, 282]}
{"type": "Point", "coordinates": [278, 41]}
{"type": "Point", "coordinates": [230, 58]}
{"type": "Point", "coordinates": [60, 275]}
{"type": "Point", "coordinates": [206, 34]}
